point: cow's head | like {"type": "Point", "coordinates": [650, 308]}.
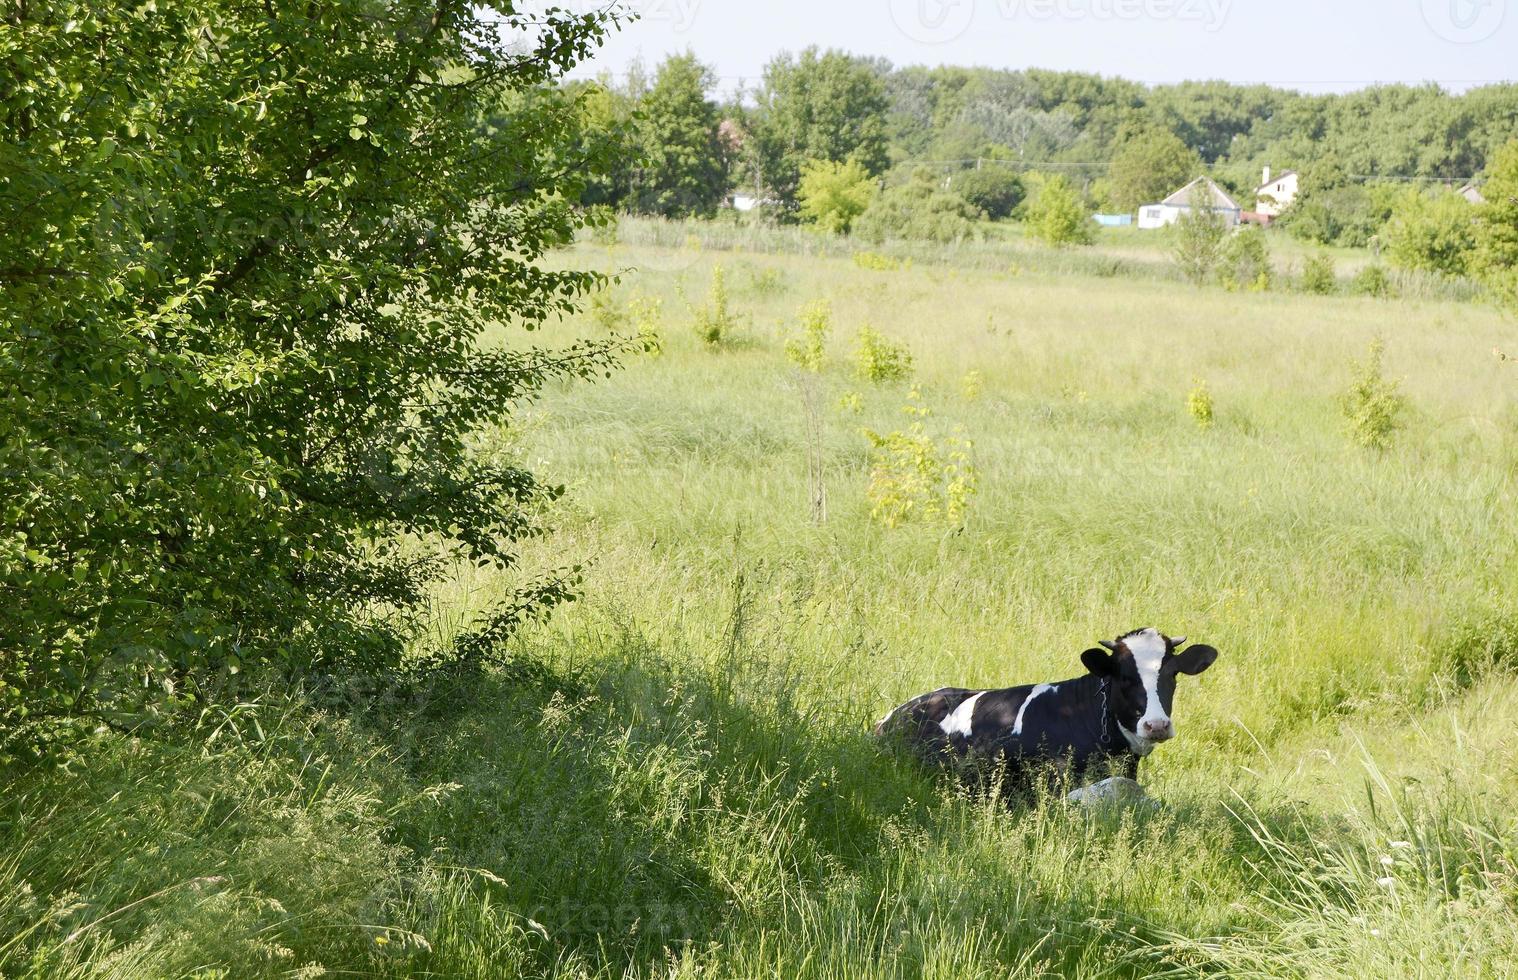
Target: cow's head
{"type": "Point", "coordinates": [1140, 668]}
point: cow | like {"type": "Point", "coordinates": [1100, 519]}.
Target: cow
{"type": "Point", "coordinates": [1102, 723]}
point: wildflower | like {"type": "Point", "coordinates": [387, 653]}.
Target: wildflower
{"type": "Point", "coordinates": [1386, 882]}
{"type": "Point", "coordinates": [1386, 861]}
{"type": "Point", "coordinates": [381, 940]}
{"type": "Point", "coordinates": [1399, 844]}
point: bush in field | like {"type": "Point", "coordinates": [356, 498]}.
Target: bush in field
{"type": "Point", "coordinates": [606, 311]}
{"type": "Point", "coordinates": [1058, 217]}
{"type": "Point", "coordinates": [248, 260]}
{"type": "Point", "coordinates": [1318, 275]}
{"type": "Point", "coordinates": [877, 359]}
{"type": "Point", "coordinates": [713, 321]}
{"type": "Point", "coordinates": [1431, 232]}
{"type": "Point", "coordinates": [832, 195]}
{"type": "Point", "coordinates": [876, 262]}
{"type": "Point", "coordinates": [645, 312]}
{"type": "Point", "coordinates": [809, 350]}
{"type": "Point", "coordinates": [915, 477]}
{"type": "Point", "coordinates": [1373, 405]}
{"type": "Point", "coordinates": [1199, 404]}
{"type": "Point", "coordinates": [972, 385]}
{"type": "Point", "coordinates": [1246, 260]}
{"type": "Point", "coordinates": [1371, 281]}
{"type": "Point", "coordinates": [1197, 239]}
{"type": "Point", "coordinates": [996, 190]}
{"type": "Point", "coordinates": [918, 211]}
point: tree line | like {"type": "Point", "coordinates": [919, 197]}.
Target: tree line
{"type": "Point", "coordinates": [1120, 142]}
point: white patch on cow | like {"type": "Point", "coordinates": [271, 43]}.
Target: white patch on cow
{"type": "Point", "coordinates": [958, 721]}
{"type": "Point", "coordinates": [888, 716]}
{"type": "Point", "coordinates": [1017, 726]}
{"type": "Point", "coordinates": [1148, 649]}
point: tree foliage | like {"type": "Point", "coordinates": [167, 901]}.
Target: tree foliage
{"type": "Point", "coordinates": [1434, 232]}
{"type": "Point", "coordinates": [1149, 167]}
{"type": "Point", "coordinates": [684, 169]}
{"type": "Point", "coordinates": [833, 194]}
{"type": "Point", "coordinates": [918, 210]}
{"type": "Point", "coordinates": [248, 253]}
{"type": "Point", "coordinates": [1495, 258]}
{"type": "Point", "coordinates": [1198, 236]}
{"type": "Point", "coordinates": [996, 190]}
{"type": "Point", "coordinates": [816, 106]}
{"type": "Point", "coordinates": [1058, 217]}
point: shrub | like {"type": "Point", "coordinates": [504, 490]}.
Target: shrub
{"type": "Point", "coordinates": [878, 359]}
{"type": "Point", "coordinates": [713, 321]}
{"type": "Point", "coordinates": [1197, 239]}
{"type": "Point", "coordinates": [876, 262]}
{"type": "Point", "coordinates": [1318, 275]}
{"type": "Point", "coordinates": [1199, 404]}
{"type": "Point", "coordinates": [808, 351]}
{"type": "Point", "coordinates": [1058, 217]}
{"type": "Point", "coordinates": [996, 190]}
{"type": "Point", "coordinates": [914, 476]}
{"type": "Point", "coordinates": [918, 211]}
{"type": "Point", "coordinates": [1246, 260]}
{"type": "Point", "coordinates": [1371, 281]}
{"type": "Point", "coordinates": [972, 384]}
{"type": "Point", "coordinates": [645, 314]}
{"type": "Point", "coordinates": [1432, 232]}
{"type": "Point", "coordinates": [832, 195]}
{"type": "Point", "coordinates": [1373, 405]}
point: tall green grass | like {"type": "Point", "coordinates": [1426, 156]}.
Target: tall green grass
{"type": "Point", "coordinates": [673, 778]}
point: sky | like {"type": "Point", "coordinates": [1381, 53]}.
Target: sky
{"type": "Point", "coordinates": [1311, 45]}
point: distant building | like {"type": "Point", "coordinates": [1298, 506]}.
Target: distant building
{"type": "Point", "coordinates": [1168, 211]}
{"type": "Point", "coordinates": [1113, 220]}
{"type": "Point", "coordinates": [1472, 193]}
{"type": "Point", "coordinates": [1275, 194]}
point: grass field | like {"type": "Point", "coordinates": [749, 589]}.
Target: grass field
{"type": "Point", "coordinates": [674, 777]}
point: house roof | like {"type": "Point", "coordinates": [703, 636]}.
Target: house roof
{"type": "Point", "coordinates": [1277, 178]}
{"type": "Point", "coordinates": [1212, 194]}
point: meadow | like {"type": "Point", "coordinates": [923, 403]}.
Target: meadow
{"type": "Point", "coordinates": [673, 776]}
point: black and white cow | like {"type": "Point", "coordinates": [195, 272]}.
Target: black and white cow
{"type": "Point", "coordinates": [1099, 724]}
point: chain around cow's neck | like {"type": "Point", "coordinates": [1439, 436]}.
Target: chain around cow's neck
{"type": "Point", "coordinates": [1106, 727]}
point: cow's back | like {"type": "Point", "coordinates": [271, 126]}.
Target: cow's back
{"type": "Point", "coordinates": [919, 721]}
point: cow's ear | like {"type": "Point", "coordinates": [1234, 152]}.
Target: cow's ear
{"type": "Point", "coordinates": [1195, 659]}
{"type": "Point", "coordinates": [1098, 661]}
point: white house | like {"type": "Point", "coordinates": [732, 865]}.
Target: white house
{"type": "Point", "coordinates": [1275, 195]}
{"type": "Point", "coordinates": [1171, 208]}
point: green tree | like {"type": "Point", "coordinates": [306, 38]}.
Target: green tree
{"type": "Point", "coordinates": [248, 254]}
{"type": "Point", "coordinates": [1058, 216]}
{"type": "Point", "coordinates": [1433, 232]}
{"type": "Point", "coordinates": [816, 106]}
{"type": "Point", "coordinates": [832, 194]}
{"type": "Point", "coordinates": [1495, 258]}
{"type": "Point", "coordinates": [1198, 237]}
{"type": "Point", "coordinates": [995, 189]}
{"type": "Point", "coordinates": [1149, 167]}
{"type": "Point", "coordinates": [685, 169]}
{"type": "Point", "coordinates": [1246, 260]}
